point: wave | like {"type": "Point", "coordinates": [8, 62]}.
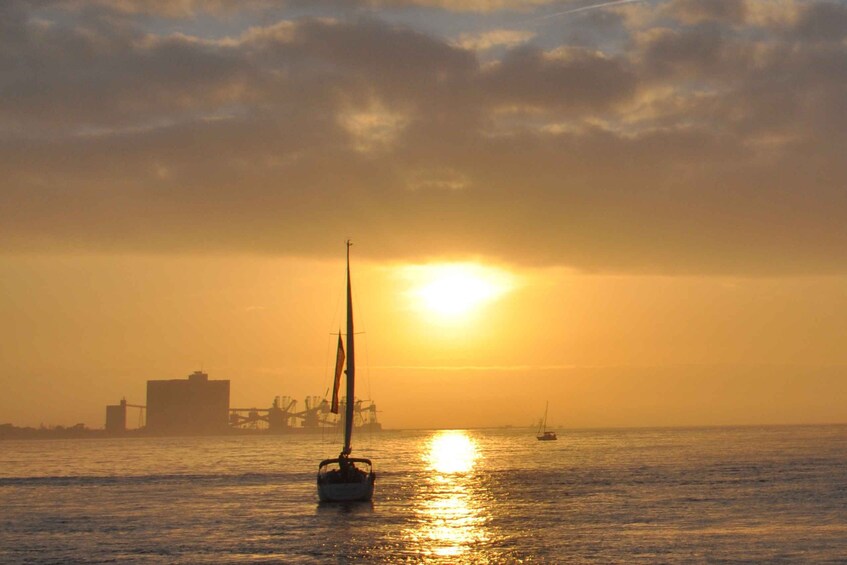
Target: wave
{"type": "Point", "coordinates": [112, 480]}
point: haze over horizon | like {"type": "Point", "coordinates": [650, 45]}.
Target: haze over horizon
{"type": "Point", "coordinates": [635, 210]}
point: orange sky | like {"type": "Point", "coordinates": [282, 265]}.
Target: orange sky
{"type": "Point", "coordinates": [644, 203]}
{"type": "Point", "coordinates": [83, 331]}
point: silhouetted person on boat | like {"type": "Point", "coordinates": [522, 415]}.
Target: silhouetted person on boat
{"type": "Point", "coordinates": [347, 472]}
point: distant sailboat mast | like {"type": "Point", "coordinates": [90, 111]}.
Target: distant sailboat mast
{"type": "Point", "coordinates": [351, 364]}
{"type": "Point", "coordinates": [543, 433]}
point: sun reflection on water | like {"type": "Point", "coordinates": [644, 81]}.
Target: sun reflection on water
{"type": "Point", "coordinates": [451, 452]}
{"type": "Point", "coordinates": [450, 502]}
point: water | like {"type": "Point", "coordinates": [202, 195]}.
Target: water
{"type": "Point", "coordinates": [771, 494]}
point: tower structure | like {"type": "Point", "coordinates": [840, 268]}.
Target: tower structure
{"type": "Point", "coordinates": [192, 406]}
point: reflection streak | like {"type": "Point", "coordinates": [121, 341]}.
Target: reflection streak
{"type": "Point", "coordinates": [450, 500]}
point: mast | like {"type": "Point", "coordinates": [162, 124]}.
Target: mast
{"type": "Point", "coordinates": [351, 364]}
{"type": "Point", "coordinates": [546, 406]}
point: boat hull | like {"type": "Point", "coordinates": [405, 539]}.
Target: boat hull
{"type": "Point", "coordinates": [346, 479]}
{"type": "Point", "coordinates": [346, 492]}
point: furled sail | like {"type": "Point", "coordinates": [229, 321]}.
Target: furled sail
{"type": "Point", "coordinates": [339, 366]}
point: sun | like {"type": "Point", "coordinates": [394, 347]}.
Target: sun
{"type": "Point", "coordinates": [451, 291]}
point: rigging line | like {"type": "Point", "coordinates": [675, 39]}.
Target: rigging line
{"type": "Point", "coordinates": [364, 324]}
{"type": "Point", "coordinates": [330, 343]}
{"type": "Point", "coordinates": [368, 367]}
{"type": "Point", "coordinates": [326, 363]}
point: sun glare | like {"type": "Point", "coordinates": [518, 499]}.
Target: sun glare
{"type": "Point", "coordinates": [452, 452]}
{"type": "Point", "coordinates": [453, 290]}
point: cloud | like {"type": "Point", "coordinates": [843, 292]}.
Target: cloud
{"type": "Point", "coordinates": [494, 38]}
{"type": "Point", "coordinates": [826, 21]}
{"type": "Point", "coordinates": [706, 139]}
{"type": "Point", "coordinates": [572, 79]}
{"type": "Point", "coordinates": [372, 127]}
{"type": "Point", "coordinates": [481, 6]}
{"type": "Point", "coordinates": [77, 78]}
{"type": "Point", "coordinates": [700, 11]}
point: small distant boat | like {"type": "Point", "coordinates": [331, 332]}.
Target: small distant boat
{"type": "Point", "coordinates": [543, 433]}
{"type": "Point", "coordinates": [345, 478]}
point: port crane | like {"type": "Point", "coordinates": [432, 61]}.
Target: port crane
{"type": "Point", "coordinates": [283, 415]}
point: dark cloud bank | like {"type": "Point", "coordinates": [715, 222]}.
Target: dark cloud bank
{"type": "Point", "coordinates": [713, 143]}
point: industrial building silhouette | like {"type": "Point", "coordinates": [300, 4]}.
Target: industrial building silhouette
{"type": "Point", "coordinates": [200, 406]}
{"type": "Point", "coordinates": [195, 405]}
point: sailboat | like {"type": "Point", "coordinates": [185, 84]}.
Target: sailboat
{"type": "Point", "coordinates": [346, 478]}
{"type": "Point", "coordinates": [543, 433]}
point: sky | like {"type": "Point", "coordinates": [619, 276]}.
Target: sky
{"type": "Point", "coordinates": [633, 210]}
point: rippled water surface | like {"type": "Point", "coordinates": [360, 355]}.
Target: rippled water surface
{"type": "Point", "coordinates": [470, 496]}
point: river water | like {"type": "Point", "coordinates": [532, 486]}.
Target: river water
{"type": "Point", "coordinates": [746, 494]}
